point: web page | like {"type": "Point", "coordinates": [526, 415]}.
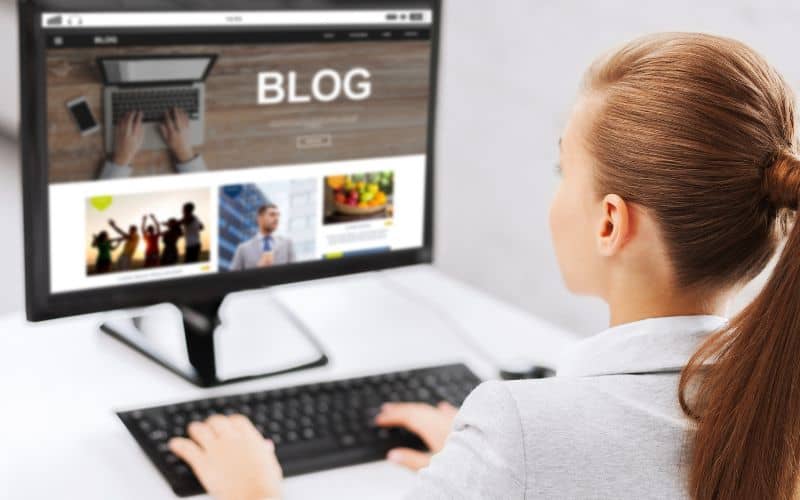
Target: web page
{"type": "Point", "coordinates": [182, 144]}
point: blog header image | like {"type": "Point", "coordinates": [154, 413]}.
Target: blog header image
{"type": "Point", "coordinates": [357, 197]}
{"type": "Point", "coordinates": [268, 224]}
{"type": "Point", "coordinates": [142, 109]}
{"type": "Point", "coordinates": [134, 232]}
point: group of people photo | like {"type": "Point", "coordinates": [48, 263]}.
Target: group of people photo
{"type": "Point", "coordinates": [149, 244]}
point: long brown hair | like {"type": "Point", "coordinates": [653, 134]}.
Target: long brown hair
{"type": "Point", "coordinates": [700, 131]}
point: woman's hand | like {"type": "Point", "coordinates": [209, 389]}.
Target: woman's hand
{"type": "Point", "coordinates": [231, 459]}
{"type": "Point", "coordinates": [128, 137]}
{"type": "Point", "coordinates": [431, 423]}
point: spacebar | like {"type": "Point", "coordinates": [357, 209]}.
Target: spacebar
{"type": "Point", "coordinates": [310, 456]}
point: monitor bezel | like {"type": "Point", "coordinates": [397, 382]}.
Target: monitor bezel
{"type": "Point", "coordinates": [41, 304]}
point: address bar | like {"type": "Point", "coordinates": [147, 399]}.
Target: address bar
{"type": "Point", "coordinates": [81, 20]}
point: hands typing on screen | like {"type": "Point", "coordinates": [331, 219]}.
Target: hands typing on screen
{"type": "Point", "coordinates": [129, 136]}
{"type": "Point", "coordinates": [234, 462]}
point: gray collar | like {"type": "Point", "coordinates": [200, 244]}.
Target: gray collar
{"type": "Point", "coordinates": [647, 346]}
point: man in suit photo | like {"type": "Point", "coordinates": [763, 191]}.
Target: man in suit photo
{"type": "Point", "coordinates": [265, 249]}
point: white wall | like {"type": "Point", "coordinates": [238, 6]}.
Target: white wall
{"type": "Point", "coordinates": [510, 71]}
{"type": "Point", "coordinates": [510, 74]}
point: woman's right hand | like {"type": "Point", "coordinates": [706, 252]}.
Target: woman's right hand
{"type": "Point", "coordinates": [176, 133]}
{"type": "Point", "coordinates": [431, 423]}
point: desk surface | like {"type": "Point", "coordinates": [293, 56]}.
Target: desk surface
{"type": "Point", "coordinates": [62, 380]}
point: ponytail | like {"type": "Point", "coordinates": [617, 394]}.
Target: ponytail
{"type": "Point", "coordinates": [700, 131]}
{"type": "Point", "coordinates": [744, 381]}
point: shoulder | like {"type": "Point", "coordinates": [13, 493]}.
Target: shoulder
{"type": "Point", "coordinates": [492, 415]}
{"type": "Point", "coordinates": [518, 417]}
{"type": "Point", "coordinates": [608, 423]}
{"type": "Point", "coordinates": [507, 410]}
{"type": "Point", "coordinates": [246, 244]}
{"type": "Point", "coordinates": [484, 456]}
{"type": "Point", "coordinates": [489, 400]}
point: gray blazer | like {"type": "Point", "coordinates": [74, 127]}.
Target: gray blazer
{"type": "Point", "coordinates": [608, 426]}
{"type": "Point", "coordinates": [249, 253]}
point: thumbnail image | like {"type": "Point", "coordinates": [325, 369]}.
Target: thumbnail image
{"type": "Point", "coordinates": [144, 231]}
{"type": "Point", "coordinates": [267, 224]}
{"type": "Point", "coordinates": [355, 197]}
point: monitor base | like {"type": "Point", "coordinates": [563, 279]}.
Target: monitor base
{"type": "Point", "coordinates": [194, 352]}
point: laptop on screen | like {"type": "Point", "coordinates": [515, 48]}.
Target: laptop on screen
{"type": "Point", "coordinates": [154, 85]}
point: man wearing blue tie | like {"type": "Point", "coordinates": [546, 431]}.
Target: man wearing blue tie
{"type": "Point", "coordinates": [265, 249]}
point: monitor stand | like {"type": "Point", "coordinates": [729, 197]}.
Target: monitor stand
{"type": "Point", "coordinates": [207, 353]}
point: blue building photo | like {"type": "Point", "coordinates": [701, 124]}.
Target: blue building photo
{"type": "Point", "coordinates": [238, 208]}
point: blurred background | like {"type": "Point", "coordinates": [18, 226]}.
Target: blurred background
{"type": "Point", "coordinates": [510, 71]}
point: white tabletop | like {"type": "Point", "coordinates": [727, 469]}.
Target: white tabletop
{"type": "Point", "coordinates": [61, 380]}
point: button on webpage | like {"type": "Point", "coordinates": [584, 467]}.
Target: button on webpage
{"type": "Point", "coordinates": [314, 141]}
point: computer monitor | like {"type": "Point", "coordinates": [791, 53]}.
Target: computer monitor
{"type": "Point", "coordinates": [176, 152]}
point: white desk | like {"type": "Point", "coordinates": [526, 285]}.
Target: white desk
{"type": "Point", "coordinates": [61, 381]}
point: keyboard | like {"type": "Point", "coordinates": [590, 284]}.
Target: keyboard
{"type": "Point", "coordinates": [314, 427]}
{"type": "Point", "coordinates": [155, 102]}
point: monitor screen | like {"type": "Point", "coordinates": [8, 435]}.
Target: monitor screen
{"type": "Point", "coordinates": [232, 142]}
{"type": "Point", "coordinates": [134, 70]}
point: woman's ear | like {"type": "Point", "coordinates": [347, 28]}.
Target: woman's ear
{"type": "Point", "coordinates": [615, 225]}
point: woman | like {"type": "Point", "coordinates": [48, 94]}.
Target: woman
{"type": "Point", "coordinates": [680, 178]}
{"type": "Point", "coordinates": [152, 234]}
{"type": "Point", "coordinates": [131, 239]}
{"type": "Point", "coordinates": [104, 246]}
{"type": "Point", "coordinates": [170, 237]}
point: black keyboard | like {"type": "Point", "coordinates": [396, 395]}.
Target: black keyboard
{"type": "Point", "coordinates": [154, 102]}
{"type": "Point", "coordinates": [314, 427]}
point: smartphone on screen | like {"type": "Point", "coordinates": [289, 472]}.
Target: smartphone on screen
{"type": "Point", "coordinates": [79, 108]}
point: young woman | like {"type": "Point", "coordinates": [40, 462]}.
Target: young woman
{"type": "Point", "coordinates": [131, 239]}
{"type": "Point", "coordinates": [104, 245]}
{"type": "Point", "coordinates": [680, 178]}
{"type": "Point", "coordinates": [170, 237]}
{"type": "Point", "coordinates": [152, 234]}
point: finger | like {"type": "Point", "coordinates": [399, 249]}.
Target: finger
{"type": "Point", "coordinates": [164, 130]}
{"type": "Point", "coordinates": [187, 450]}
{"type": "Point", "coordinates": [447, 408]}
{"type": "Point", "coordinates": [270, 447]}
{"type": "Point", "coordinates": [243, 425]}
{"type": "Point", "coordinates": [412, 459]}
{"type": "Point", "coordinates": [408, 415]}
{"type": "Point", "coordinates": [220, 425]}
{"type": "Point", "coordinates": [176, 117]}
{"type": "Point", "coordinates": [127, 119]}
{"type": "Point", "coordinates": [184, 118]}
{"type": "Point", "coordinates": [273, 458]}
{"type": "Point", "coordinates": [168, 121]}
{"type": "Point", "coordinates": [201, 433]}
{"type": "Point", "coordinates": [137, 125]}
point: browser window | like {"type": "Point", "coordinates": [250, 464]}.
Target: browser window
{"type": "Point", "coordinates": [230, 142]}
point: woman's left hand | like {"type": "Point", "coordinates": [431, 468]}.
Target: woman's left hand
{"type": "Point", "coordinates": [231, 459]}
